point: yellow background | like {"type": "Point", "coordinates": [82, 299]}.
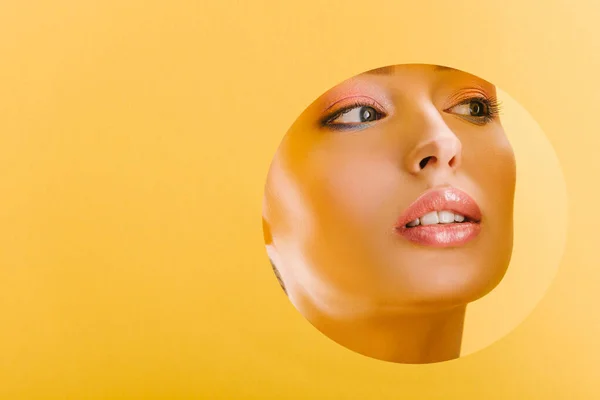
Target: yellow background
{"type": "Point", "coordinates": [134, 141]}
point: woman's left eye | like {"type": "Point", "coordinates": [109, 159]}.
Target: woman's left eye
{"type": "Point", "coordinates": [473, 108]}
{"type": "Point", "coordinates": [356, 115]}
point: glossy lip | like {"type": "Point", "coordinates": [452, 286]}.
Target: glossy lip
{"type": "Point", "coordinates": [441, 235]}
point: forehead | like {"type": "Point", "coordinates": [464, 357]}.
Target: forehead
{"type": "Point", "coordinates": [392, 69]}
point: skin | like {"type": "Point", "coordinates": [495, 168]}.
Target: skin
{"type": "Point", "coordinates": [333, 196]}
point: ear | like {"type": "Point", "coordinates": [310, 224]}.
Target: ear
{"type": "Point", "coordinates": [272, 252]}
{"type": "Point", "coordinates": [267, 232]}
{"type": "Point", "coordinates": [268, 237]}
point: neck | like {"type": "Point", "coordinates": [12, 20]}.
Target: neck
{"type": "Point", "coordinates": [402, 337]}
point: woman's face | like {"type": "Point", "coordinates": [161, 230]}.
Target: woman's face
{"type": "Point", "coordinates": [342, 182]}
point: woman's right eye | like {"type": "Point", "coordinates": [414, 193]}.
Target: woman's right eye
{"type": "Point", "coordinates": [356, 115]}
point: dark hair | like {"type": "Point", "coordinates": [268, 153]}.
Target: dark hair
{"type": "Point", "coordinates": [278, 276]}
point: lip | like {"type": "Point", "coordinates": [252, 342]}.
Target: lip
{"type": "Point", "coordinates": [441, 235]}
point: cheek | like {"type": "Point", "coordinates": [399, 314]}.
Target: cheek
{"type": "Point", "coordinates": [502, 176]}
{"type": "Point", "coordinates": [491, 163]}
{"type": "Point", "coordinates": [355, 189]}
{"type": "Point", "coordinates": [494, 172]}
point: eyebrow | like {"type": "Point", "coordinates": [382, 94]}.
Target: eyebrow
{"type": "Point", "coordinates": [441, 68]}
{"type": "Point", "coordinates": [389, 70]}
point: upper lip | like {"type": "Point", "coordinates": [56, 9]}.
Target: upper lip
{"type": "Point", "coordinates": [449, 199]}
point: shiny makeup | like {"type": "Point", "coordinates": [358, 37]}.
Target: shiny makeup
{"type": "Point", "coordinates": [443, 218]}
{"type": "Point", "coordinates": [357, 112]}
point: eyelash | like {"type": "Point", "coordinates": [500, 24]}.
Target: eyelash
{"type": "Point", "coordinates": [492, 105]}
{"type": "Point", "coordinates": [326, 121]}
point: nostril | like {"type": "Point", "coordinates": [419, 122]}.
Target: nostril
{"type": "Point", "coordinates": [424, 162]}
{"type": "Point", "coordinates": [452, 162]}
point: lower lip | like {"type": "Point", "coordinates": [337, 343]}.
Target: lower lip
{"type": "Point", "coordinates": [441, 235]}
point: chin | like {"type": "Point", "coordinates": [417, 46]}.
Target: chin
{"type": "Point", "coordinates": [468, 278]}
{"type": "Point", "coordinates": [455, 286]}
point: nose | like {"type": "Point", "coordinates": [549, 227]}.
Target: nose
{"type": "Point", "coordinates": [437, 147]}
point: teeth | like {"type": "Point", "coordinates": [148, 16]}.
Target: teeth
{"type": "Point", "coordinates": [430, 218]}
{"type": "Point", "coordinates": [446, 217]}
{"type": "Point", "coordinates": [441, 217]}
{"type": "Point", "coordinates": [413, 223]}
